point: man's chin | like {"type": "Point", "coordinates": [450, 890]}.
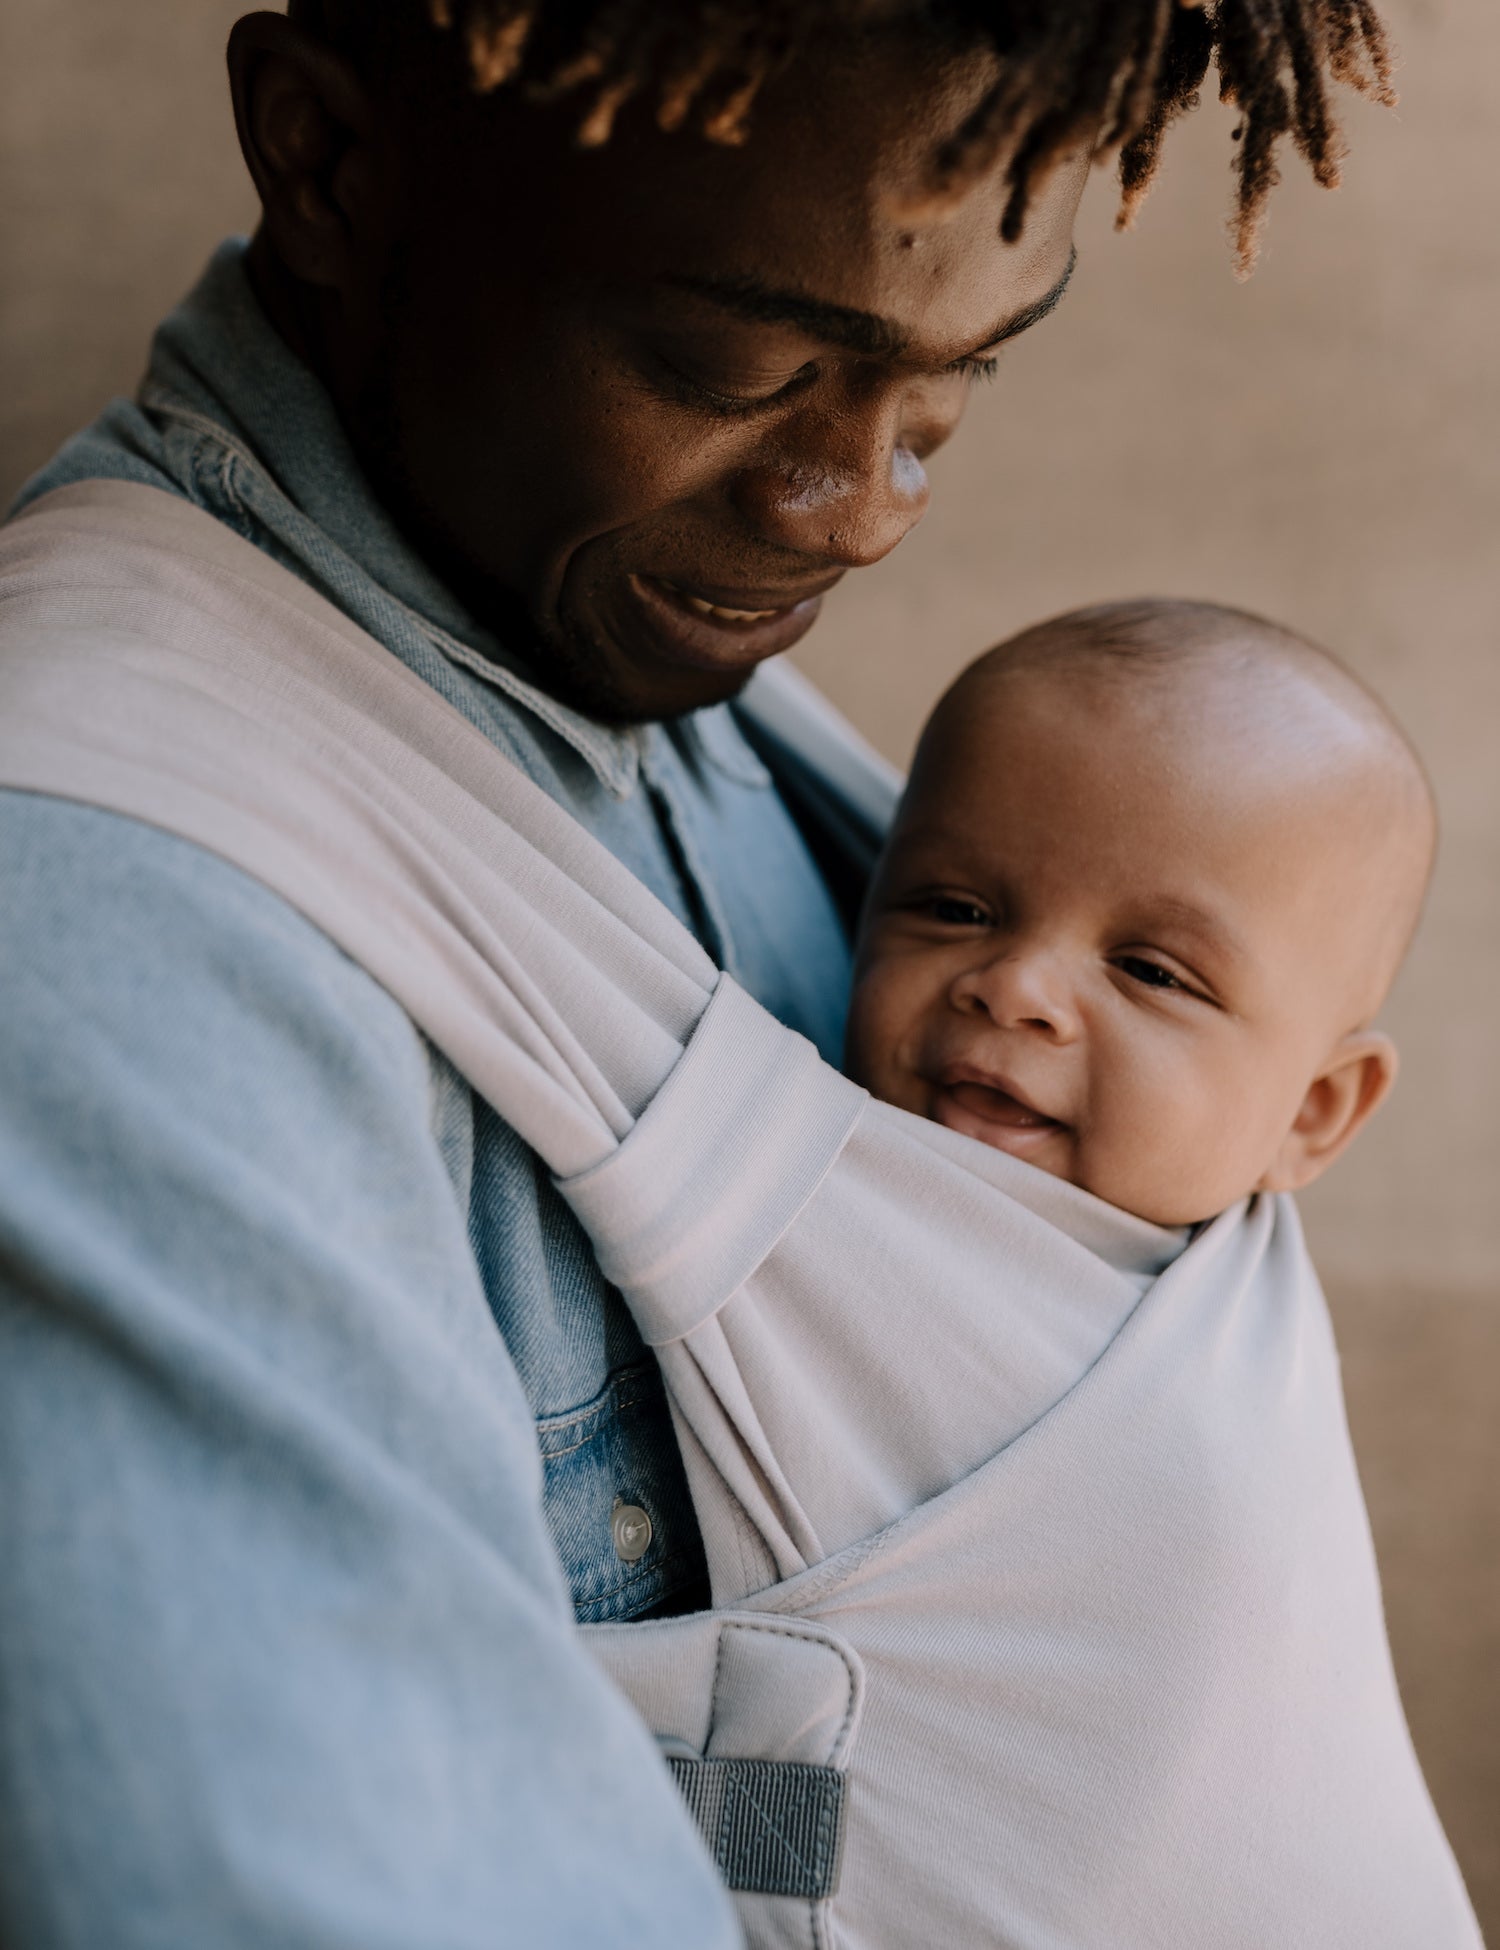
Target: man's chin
{"type": "Point", "coordinates": [578, 668]}
{"type": "Point", "coordinates": [591, 676]}
{"type": "Point", "coordinates": [640, 648]}
{"type": "Point", "coordinates": [617, 668]}
{"type": "Point", "coordinates": [588, 667]}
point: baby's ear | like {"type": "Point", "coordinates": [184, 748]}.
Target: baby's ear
{"type": "Point", "coordinates": [1340, 1101]}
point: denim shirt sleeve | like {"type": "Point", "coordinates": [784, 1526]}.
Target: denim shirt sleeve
{"type": "Point", "coordinates": [285, 1655]}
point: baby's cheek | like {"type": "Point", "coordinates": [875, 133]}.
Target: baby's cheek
{"type": "Point", "coordinates": [1152, 1147]}
{"type": "Point", "coordinates": [1180, 1170]}
{"type": "Point", "coordinates": [880, 1029]}
{"type": "Point", "coordinates": [863, 1037]}
{"type": "Point", "coordinates": [855, 1028]}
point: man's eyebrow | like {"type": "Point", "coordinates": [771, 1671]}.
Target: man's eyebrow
{"type": "Point", "coordinates": [864, 332]}
{"type": "Point", "coordinates": [1022, 321]}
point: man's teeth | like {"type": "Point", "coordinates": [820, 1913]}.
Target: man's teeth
{"type": "Point", "coordinates": [718, 611]}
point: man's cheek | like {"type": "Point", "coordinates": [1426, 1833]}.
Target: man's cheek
{"type": "Point", "coordinates": [612, 473]}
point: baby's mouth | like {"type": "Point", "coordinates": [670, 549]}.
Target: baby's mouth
{"type": "Point", "coordinates": [979, 1106]}
{"type": "Point", "coordinates": [994, 1105]}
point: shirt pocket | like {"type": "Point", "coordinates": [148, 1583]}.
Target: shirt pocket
{"type": "Point", "coordinates": [616, 1500]}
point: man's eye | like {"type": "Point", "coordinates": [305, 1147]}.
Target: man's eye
{"type": "Point", "coordinates": [1150, 974]}
{"type": "Point", "coordinates": [953, 911]}
{"type": "Point", "coordinates": [722, 394]}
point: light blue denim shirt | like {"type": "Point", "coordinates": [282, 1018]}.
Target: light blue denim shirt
{"type": "Point", "coordinates": [314, 1407]}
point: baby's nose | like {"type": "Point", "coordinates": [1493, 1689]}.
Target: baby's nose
{"type": "Point", "coordinates": [1021, 989]}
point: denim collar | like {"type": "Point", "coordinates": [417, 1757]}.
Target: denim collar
{"type": "Point", "coordinates": [220, 369]}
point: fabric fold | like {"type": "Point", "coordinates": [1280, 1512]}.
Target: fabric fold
{"type": "Point", "coordinates": [734, 1144]}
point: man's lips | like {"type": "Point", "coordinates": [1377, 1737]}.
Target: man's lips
{"type": "Point", "coordinates": [733, 606]}
{"type": "Point", "coordinates": [712, 627]}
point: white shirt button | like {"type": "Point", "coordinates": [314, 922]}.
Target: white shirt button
{"type": "Point", "coordinates": [630, 1528]}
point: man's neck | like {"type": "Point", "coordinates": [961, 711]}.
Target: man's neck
{"type": "Point", "coordinates": [288, 303]}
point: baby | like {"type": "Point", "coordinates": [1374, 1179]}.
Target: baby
{"type": "Point", "coordinates": [1057, 1472]}
{"type": "Point", "coordinates": [1153, 875]}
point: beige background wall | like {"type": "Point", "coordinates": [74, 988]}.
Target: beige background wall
{"type": "Point", "coordinates": [1323, 444]}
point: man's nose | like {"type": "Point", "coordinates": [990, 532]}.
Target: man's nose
{"type": "Point", "coordinates": [1020, 988]}
{"type": "Point", "coordinates": [842, 488]}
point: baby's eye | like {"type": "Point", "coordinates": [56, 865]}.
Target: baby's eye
{"type": "Point", "coordinates": [1150, 974]}
{"type": "Point", "coordinates": [953, 911]}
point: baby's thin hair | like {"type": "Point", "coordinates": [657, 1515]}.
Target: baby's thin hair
{"type": "Point", "coordinates": [1149, 636]}
{"type": "Point", "coordinates": [1142, 635]}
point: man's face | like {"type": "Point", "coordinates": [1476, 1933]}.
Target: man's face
{"type": "Point", "coordinates": [649, 402]}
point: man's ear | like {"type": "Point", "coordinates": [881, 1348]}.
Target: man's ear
{"type": "Point", "coordinates": [1340, 1101]}
{"type": "Point", "coordinates": [306, 125]}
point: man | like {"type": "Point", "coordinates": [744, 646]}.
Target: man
{"type": "Point", "coordinates": [579, 352]}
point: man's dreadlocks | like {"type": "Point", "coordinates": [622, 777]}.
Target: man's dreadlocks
{"type": "Point", "coordinates": [1112, 72]}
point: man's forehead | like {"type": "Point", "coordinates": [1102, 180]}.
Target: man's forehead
{"type": "Point", "coordinates": [810, 208]}
{"type": "Point", "coordinates": [762, 244]}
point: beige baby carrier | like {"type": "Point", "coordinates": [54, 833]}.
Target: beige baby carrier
{"type": "Point", "coordinates": [1045, 1612]}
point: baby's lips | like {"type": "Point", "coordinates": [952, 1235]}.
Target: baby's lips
{"type": "Point", "coordinates": [995, 1104]}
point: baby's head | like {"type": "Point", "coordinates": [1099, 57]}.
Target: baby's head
{"type": "Point", "coordinates": [1152, 877]}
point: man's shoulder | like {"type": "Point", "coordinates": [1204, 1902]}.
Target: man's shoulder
{"type": "Point", "coordinates": [118, 930]}
{"type": "Point", "coordinates": [122, 444]}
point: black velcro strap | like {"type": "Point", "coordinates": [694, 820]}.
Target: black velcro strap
{"type": "Point", "coordinates": [774, 1827]}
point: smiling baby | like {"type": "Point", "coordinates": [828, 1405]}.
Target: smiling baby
{"type": "Point", "coordinates": [1153, 875]}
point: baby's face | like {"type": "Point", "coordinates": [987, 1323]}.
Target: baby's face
{"type": "Point", "coordinates": [1114, 948]}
